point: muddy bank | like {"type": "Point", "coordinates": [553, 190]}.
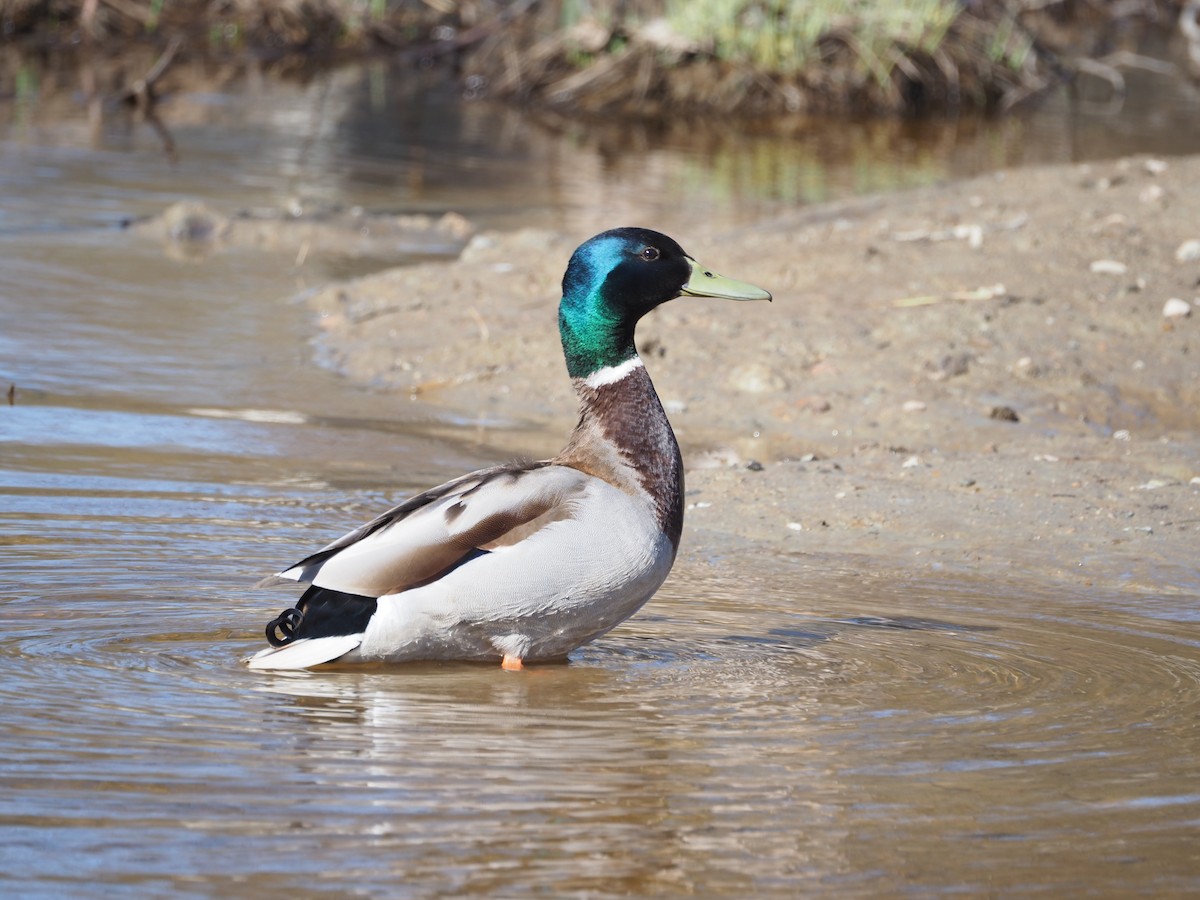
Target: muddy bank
{"type": "Point", "coordinates": [976, 375]}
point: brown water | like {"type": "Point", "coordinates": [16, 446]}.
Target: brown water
{"type": "Point", "coordinates": [768, 726]}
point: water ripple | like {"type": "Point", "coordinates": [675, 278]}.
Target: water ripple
{"type": "Point", "coordinates": [803, 720]}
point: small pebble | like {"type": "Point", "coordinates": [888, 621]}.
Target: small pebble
{"type": "Point", "coordinates": [1176, 309]}
{"type": "Point", "coordinates": [1153, 485]}
{"type": "Point", "coordinates": [756, 378]}
{"type": "Point", "coordinates": [972, 234]}
{"type": "Point", "coordinates": [1152, 193]}
{"type": "Point", "coordinates": [911, 463]}
{"type": "Point", "coordinates": [949, 366]}
{"type": "Point", "coordinates": [1026, 366]}
{"type": "Point", "coordinates": [1004, 414]}
{"type": "Point", "coordinates": [1109, 267]}
{"type": "Point", "coordinates": [1121, 435]}
{"type": "Point", "coordinates": [717, 459]}
{"type": "Point", "coordinates": [1188, 251]}
{"type": "Point", "coordinates": [1155, 166]}
{"type": "Point", "coordinates": [912, 406]}
{"type": "Point", "coordinates": [795, 526]}
{"type": "Point", "coordinates": [1116, 223]}
{"type": "Point", "coordinates": [754, 465]}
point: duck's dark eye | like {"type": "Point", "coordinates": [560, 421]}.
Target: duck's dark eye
{"type": "Point", "coordinates": [650, 254]}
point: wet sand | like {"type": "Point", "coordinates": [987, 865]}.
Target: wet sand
{"type": "Point", "coordinates": [978, 375]}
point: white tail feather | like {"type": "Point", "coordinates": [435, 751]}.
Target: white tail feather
{"type": "Point", "coordinates": [305, 653]}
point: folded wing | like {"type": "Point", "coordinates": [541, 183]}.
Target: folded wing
{"type": "Point", "coordinates": [434, 532]}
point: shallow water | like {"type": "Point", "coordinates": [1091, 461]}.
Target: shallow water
{"type": "Point", "coordinates": [769, 726]}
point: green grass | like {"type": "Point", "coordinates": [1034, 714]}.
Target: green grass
{"type": "Point", "coordinates": [784, 36]}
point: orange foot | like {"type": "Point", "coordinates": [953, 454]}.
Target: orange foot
{"type": "Point", "coordinates": [511, 663]}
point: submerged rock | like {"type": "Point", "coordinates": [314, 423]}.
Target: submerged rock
{"type": "Point", "coordinates": [193, 230]}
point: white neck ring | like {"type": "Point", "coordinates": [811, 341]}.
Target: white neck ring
{"type": "Point", "coordinates": [612, 374]}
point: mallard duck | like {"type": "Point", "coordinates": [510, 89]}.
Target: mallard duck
{"type": "Point", "coordinates": [527, 561]}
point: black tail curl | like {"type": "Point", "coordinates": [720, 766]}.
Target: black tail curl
{"type": "Point", "coordinates": [281, 630]}
{"type": "Point", "coordinates": [321, 612]}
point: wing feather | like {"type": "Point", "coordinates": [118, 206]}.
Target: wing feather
{"type": "Point", "coordinates": [431, 533]}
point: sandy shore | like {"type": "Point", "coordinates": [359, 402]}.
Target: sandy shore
{"type": "Point", "coordinates": [978, 375]}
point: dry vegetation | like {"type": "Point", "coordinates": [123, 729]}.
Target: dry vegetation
{"type": "Point", "coordinates": [642, 58]}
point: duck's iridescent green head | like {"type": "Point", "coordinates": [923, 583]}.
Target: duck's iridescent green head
{"type": "Point", "coordinates": [616, 278]}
